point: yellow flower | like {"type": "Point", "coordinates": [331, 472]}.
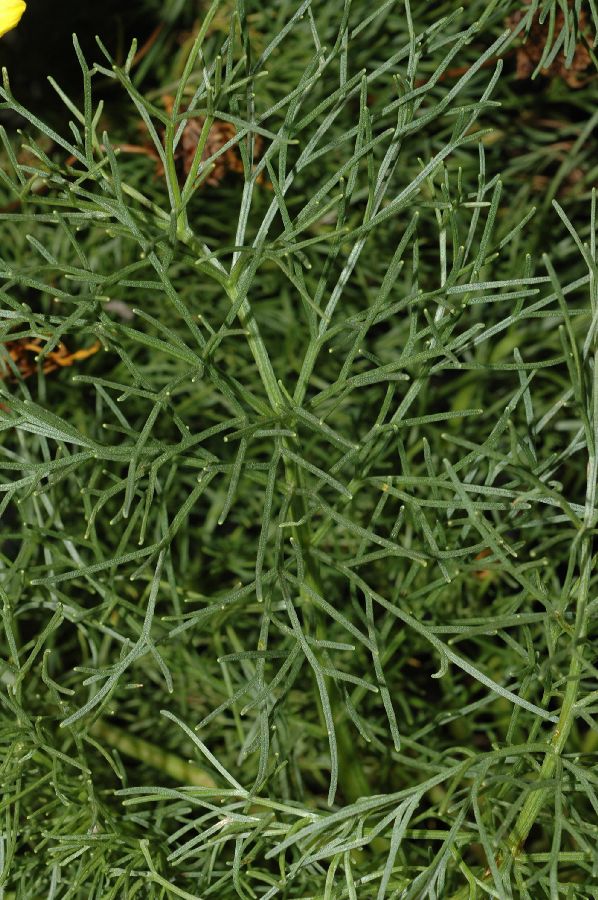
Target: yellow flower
{"type": "Point", "coordinates": [10, 14]}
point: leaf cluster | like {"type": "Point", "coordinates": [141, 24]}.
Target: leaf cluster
{"type": "Point", "coordinates": [297, 574]}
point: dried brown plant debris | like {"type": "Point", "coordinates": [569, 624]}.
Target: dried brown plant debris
{"type": "Point", "coordinates": [483, 573]}
{"type": "Point", "coordinates": [219, 135]}
{"type": "Point", "coordinates": [529, 54]}
{"type": "Point", "coordinates": [25, 353]}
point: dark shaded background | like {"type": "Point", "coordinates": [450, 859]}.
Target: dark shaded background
{"type": "Point", "coordinates": [42, 45]}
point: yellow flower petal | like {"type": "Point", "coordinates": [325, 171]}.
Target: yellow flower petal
{"type": "Point", "coordinates": [10, 14]}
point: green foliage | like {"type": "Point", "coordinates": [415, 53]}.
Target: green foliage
{"type": "Point", "coordinates": [298, 573]}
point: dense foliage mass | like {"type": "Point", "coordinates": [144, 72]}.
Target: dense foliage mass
{"type": "Point", "coordinates": [298, 459]}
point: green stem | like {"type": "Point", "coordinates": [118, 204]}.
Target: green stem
{"type": "Point", "coordinates": [536, 800]}
{"type": "Point", "coordinates": [258, 350]}
{"type": "Point", "coordinates": [172, 180]}
{"type": "Point", "coordinates": [176, 768]}
{"type": "Point", "coordinates": [352, 779]}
